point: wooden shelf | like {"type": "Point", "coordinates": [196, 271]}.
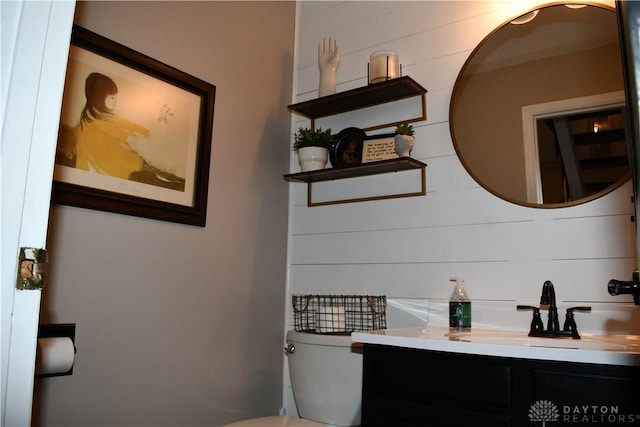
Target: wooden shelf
{"type": "Point", "coordinates": [363, 97]}
{"type": "Point", "coordinates": [356, 99]}
{"type": "Point", "coordinates": [372, 168]}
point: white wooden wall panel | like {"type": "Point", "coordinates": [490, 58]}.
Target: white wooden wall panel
{"type": "Point", "coordinates": [580, 238]}
{"type": "Point", "coordinates": [508, 280]}
{"type": "Point", "coordinates": [408, 248]}
{"type": "Point", "coordinates": [443, 209]}
{"type": "Point", "coordinates": [388, 113]}
{"type": "Point", "coordinates": [384, 185]}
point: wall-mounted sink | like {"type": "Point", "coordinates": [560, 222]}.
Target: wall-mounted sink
{"type": "Point", "coordinates": [618, 343]}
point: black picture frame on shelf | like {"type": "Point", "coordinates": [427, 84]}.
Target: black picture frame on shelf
{"type": "Point", "coordinates": [168, 118]}
{"type": "Point", "coordinates": [347, 151]}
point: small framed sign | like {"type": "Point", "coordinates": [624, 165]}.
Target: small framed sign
{"type": "Point", "coordinates": [378, 147]}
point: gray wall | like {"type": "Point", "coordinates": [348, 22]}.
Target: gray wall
{"type": "Point", "coordinates": [180, 325]}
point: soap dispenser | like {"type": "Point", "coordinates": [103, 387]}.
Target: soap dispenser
{"type": "Point", "coordinates": [459, 306]}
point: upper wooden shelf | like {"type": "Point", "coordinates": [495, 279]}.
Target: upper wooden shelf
{"type": "Point", "coordinates": [372, 168]}
{"type": "Point", "coordinates": [363, 97]}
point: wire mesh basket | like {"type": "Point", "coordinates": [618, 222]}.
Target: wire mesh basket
{"type": "Point", "coordinates": [339, 314]}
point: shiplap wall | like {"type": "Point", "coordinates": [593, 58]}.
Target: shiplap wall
{"type": "Point", "coordinates": [408, 248]}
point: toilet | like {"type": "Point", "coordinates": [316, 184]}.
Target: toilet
{"type": "Point", "coordinates": [326, 376]}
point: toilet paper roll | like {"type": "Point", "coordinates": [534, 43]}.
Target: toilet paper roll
{"type": "Point", "coordinates": [331, 319]}
{"type": "Point", "coordinates": [54, 355]}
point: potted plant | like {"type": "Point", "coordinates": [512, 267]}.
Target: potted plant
{"type": "Point", "coordinates": [403, 139]}
{"type": "Point", "coordinates": [312, 147]}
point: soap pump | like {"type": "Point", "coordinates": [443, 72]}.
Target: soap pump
{"type": "Point", "coordinates": [459, 306]}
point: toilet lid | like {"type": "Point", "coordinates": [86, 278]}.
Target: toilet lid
{"type": "Point", "coordinates": [275, 422]}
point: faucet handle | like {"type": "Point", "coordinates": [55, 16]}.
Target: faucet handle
{"type": "Point", "coordinates": [536, 323]}
{"type": "Point", "coordinates": [619, 287]}
{"type": "Point", "coordinates": [583, 308]}
{"type": "Point", "coordinates": [570, 322]}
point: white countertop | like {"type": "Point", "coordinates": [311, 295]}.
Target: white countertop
{"type": "Point", "coordinates": [607, 349]}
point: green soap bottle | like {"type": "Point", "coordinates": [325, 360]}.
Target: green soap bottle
{"type": "Point", "coordinates": [459, 306]}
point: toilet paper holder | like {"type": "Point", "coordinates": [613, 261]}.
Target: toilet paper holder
{"type": "Point", "coordinates": [58, 330]}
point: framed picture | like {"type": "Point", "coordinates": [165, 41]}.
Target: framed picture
{"type": "Point", "coordinates": [354, 147]}
{"type": "Point", "coordinates": [135, 134]}
{"type": "Point", "coordinates": [348, 149]}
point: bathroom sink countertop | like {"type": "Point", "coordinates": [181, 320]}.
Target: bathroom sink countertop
{"type": "Point", "coordinates": [592, 348]}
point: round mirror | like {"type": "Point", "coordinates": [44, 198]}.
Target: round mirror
{"type": "Point", "coordinates": [537, 112]}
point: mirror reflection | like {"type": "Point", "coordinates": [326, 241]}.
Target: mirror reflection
{"type": "Point", "coordinates": [536, 114]}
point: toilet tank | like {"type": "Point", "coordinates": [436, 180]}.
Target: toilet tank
{"type": "Point", "coordinates": [326, 376]}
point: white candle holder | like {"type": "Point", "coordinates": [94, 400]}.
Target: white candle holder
{"type": "Point", "coordinates": [383, 66]}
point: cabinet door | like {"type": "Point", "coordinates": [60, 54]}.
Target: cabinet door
{"type": "Point", "coordinates": [418, 388]}
{"type": "Point", "coordinates": [586, 395]}
{"type": "Point", "coordinates": [406, 388]}
{"type": "Point", "coordinates": [402, 412]}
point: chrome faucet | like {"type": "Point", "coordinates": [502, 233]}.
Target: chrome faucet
{"type": "Point", "coordinates": [549, 298]}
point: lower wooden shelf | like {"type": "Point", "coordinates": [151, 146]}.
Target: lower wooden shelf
{"type": "Point", "coordinates": [373, 168]}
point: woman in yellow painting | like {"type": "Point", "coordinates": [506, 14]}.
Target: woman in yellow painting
{"type": "Point", "coordinates": [102, 145]}
{"type": "Point", "coordinates": [102, 139]}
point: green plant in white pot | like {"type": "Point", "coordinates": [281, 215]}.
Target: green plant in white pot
{"type": "Point", "coordinates": [403, 139]}
{"type": "Point", "coordinates": [312, 147]}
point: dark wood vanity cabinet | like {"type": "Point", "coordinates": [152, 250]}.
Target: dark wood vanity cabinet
{"type": "Point", "coordinates": [418, 388]}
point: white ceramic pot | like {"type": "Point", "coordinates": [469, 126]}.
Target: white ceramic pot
{"type": "Point", "coordinates": [312, 158]}
{"type": "Point", "coordinates": [403, 145]}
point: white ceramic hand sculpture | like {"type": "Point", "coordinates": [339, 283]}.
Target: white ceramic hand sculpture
{"type": "Point", "coordinates": [328, 59]}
